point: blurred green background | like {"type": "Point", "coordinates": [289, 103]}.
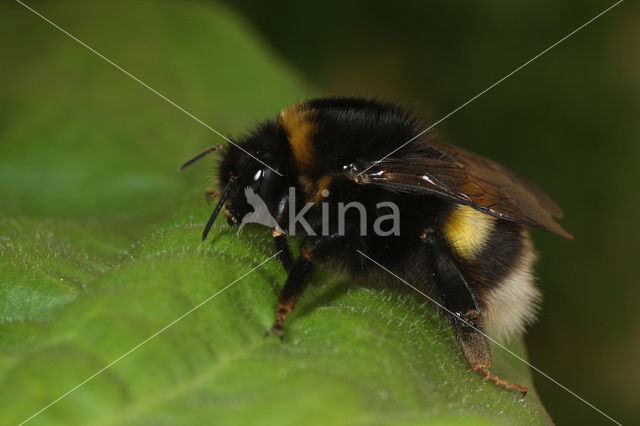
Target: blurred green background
{"type": "Point", "coordinates": [568, 121]}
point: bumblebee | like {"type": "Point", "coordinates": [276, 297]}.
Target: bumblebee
{"type": "Point", "coordinates": [463, 233]}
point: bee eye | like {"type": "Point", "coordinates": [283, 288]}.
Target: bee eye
{"type": "Point", "coordinates": [258, 175]}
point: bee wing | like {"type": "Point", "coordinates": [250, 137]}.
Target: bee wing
{"type": "Point", "coordinates": [444, 170]}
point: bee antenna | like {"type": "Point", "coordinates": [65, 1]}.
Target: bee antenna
{"type": "Point", "coordinates": [200, 155]}
{"type": "Point", "coordinates": [212, 219]}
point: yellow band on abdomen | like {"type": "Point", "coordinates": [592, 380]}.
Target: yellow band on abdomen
{"type": "Point", "coordinates": [468, 230]}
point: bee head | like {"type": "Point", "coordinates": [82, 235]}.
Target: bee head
{"type": "Point", "coordinates": [256, 165]}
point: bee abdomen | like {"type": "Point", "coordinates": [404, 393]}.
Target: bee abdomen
{"type": "Point", "coordinates": [511, 303]}
{"type": "Point", "coordinates": [498, 259]}
{"type": "Point", "coordinates": [468, 231]}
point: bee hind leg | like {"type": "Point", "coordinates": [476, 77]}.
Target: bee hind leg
{"type": "Point", "coordinates": [463, 312]}
{"type": "Point", "coordinates": [475, 348]}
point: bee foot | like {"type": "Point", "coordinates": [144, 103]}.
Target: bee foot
{"type": "Point", "coordinates": [276, 330]}
{"type": "Point", "coordinates": [497, 381]}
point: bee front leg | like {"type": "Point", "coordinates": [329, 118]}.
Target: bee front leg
{"type": "Point", "coordinates": [295, 285]}
{"type": "Point", "coordinates": [282, 245]}
{"type": "Point", "coordinates": [463, 312]}
{"type": "Point", "coordinates": [211, 193]}
{"type": "Point", "coordinates": [300, 276]}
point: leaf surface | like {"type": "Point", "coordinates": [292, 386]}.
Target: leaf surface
{"type": "Point", "coordinates": [100, 248]}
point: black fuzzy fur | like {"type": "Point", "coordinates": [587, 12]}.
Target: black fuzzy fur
{"type": "Point", "coordinates": [353, 130]}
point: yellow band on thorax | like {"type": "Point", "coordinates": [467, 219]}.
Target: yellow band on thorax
{"type": "Point", "coordinates": [300, 127]}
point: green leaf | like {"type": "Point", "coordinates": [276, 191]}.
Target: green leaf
{"type": "Point", "coordinates": [100, 249]}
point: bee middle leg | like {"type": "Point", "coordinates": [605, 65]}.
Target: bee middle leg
{"type": "Point", "coordinates": [463, 312]}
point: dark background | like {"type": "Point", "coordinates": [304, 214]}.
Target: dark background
{"type": "Point", "coordinates": [569, 121]}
